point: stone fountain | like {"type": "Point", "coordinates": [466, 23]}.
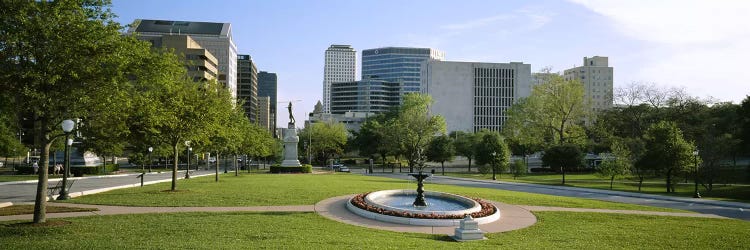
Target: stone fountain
{"type": "Point", "coordinates": [420, 207]}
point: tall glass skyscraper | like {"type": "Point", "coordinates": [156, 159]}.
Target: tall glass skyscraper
{"type": "Point", "coordinates": [398, 64]}
{"type": "Point", "coordinates": [267, 85]}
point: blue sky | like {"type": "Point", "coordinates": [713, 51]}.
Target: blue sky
{"type": "Point", "coordinates": [701, 46]}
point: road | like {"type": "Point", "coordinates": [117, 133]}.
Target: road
{"type": "Point", "coordinates": [26, 191]}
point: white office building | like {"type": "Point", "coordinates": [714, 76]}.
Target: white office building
{"type": "Point", "coordinates": [340, 66]}
{"type": "Point", "coordinates": [596, 76]}
{"type": "Point", "coordinates": [472, 96]}
{"type": "Point", "coordinates": [214, 37]}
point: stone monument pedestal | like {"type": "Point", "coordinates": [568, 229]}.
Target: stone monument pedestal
{"type": "Point", "coordinates": [290, 147]}
{"type": "Point", "coordinates": [468, 230]}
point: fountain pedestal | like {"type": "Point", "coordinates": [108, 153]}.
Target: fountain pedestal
{"type": "Point", "coordinates": [419, 201]}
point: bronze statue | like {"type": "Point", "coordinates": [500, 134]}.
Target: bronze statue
{"type": "Point", "coordinates": [291, 116]}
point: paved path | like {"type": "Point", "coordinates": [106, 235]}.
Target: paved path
{"type": "Point", "coordinates": [735, 210]}
{"type": "Point", "coordinates": [25, 191]}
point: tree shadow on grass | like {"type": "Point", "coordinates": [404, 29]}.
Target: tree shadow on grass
{"type": "Point", "coordinates": [48, 223]}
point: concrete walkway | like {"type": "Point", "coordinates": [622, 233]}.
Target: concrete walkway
{"type": "Point", "coordinates": [728, 209]}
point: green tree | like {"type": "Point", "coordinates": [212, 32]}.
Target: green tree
{"type": "Point", "coordinates": [552, 114]}
{"type": "Point", "coordinates": [440, 150]}
{"type": "Point", "coordinates": [376, 136]}
{"type": "Point", "coordinates": [416, 128]}
{"type": "Point", "coordinates": [564, 157]}
{"type": "Point", "coordinates": [61, 60]}
{"type": "Point", "coordinates": [465, 143]}
{"type": "Point", "coordinates": [618, 163]}
{"type": "Point", "coordinates": [743, 114]}
{"type": "Point", "coordinates": [328, 139]}
{"type": "Point", "coordinates": [493, 150]}
{"type": "Point", "coordinates": [667, 151]}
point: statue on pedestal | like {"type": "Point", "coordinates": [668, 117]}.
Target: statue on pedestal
{"type": "Point", "coordinates": [291, 115]}
{"type": "Point", "coordinates": [290, 143]}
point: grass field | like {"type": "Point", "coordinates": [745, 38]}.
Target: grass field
{"type": "Point", "coordinates": [302, 189]}
{"type": "Point", "coordinates": [554, 230]}
{"type": "Point", "coordinates": [738, 192]}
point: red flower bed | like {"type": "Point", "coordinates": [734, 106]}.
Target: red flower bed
{"type": "Point", "coordinates": [359, 201]}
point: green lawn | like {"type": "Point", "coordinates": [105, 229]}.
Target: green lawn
{"type": "Point", "coordinates": [308, 189]}
{"type": "Point", "coordinates": [242, 230]}
{"type": "Point", "coordinates": [7, 178]}
{"type": "Point", "coordinates": [740, 193]}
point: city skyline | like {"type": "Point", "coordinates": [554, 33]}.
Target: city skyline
{"type": "Point", "coordinates": [698, 45]}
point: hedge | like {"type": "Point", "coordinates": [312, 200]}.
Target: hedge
{"type": "Point", "coordinates": [76, 171]}
{"type": "Point", "coordinates": [301, 169]}
{"type": "Point", "coordinates": [79, 171]}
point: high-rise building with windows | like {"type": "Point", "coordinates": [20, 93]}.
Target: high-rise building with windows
{"type": "Point", "coordinates": [596, 76]}
{"type": "Point", "coordinates": [368, 95]}
{"type": "Point", "coordinates": [267, 85]}
{"type": "Point", "coordinates": [247, 86]}
{"type": "Point", "coordinates": [340, 66]}
{"type": "Point", "coordinates": [215, 37]}
{"type": "Point", "coordinates": [397, 64]}
{"type": "Point", "coordinates": [472, 96]}
{"type": "Point", "coordinates": [264, 118]}
{"type": "Point", "coordinates": [200, 63]}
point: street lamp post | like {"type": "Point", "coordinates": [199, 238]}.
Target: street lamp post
{"type": "Point", "coordinates": [695, 179]}
{"type": "Point", "coordinates": [187, 170]}
{"type": "Point", "coordinates": [150, 149]}
{"type": "Point", "coordinates": [493, 165]}
{"type": "Point", "coordinates": [67, 126]}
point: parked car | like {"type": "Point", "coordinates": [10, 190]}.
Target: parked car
{"type": "Point", "coordinates": [211, 159]}
{"type": "Point", "coordinates": [344, 169]}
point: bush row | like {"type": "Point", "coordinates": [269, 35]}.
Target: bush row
{"type": "Point", "coordinates": [301, 169]}
{"type": "Point", "coordinates": [76, 171]}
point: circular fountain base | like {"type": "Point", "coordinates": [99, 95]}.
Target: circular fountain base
{"type": "Point", "coordinates": [443, 209]}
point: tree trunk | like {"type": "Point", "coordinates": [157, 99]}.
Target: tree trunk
{"type": "Point", "coordinates": [562, 169]}
{"type": "Point", "coordinates": [174, 167]}
{"type": "Point", "coordinates": [469, 164]}
{"type": "Point", "coordinates": [216, 163]}
{"type": "Point", "coordinates": [442, 164]}
{"type": "Point", "coordinates": [669, 180]}
{"type": "Point", "coordinates": [611, 180]}
{"type": "Point", "coordinates": [640, 183]}
{"type": "Point", "coordinates": [236, 168]}
{"type": "Point", "coordinates": [40, 203]}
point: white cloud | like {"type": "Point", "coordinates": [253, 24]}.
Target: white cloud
{"type": "Point", "coordinates": [702, 45]}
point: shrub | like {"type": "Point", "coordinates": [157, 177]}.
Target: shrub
{"type": "Point", "coordinates": [275, 169]}
{"type": "Point", "coordinates": [542, 170]}
{"type": "Point", "coordinates": [79, 171]}
{"type": "Point", "coordinates": [518, 167]}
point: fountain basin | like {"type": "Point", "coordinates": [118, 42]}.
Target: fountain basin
{"type": "Point", "coordinates": [443, 209]}
{"type": "Point", "coordinates": [437, 202]}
